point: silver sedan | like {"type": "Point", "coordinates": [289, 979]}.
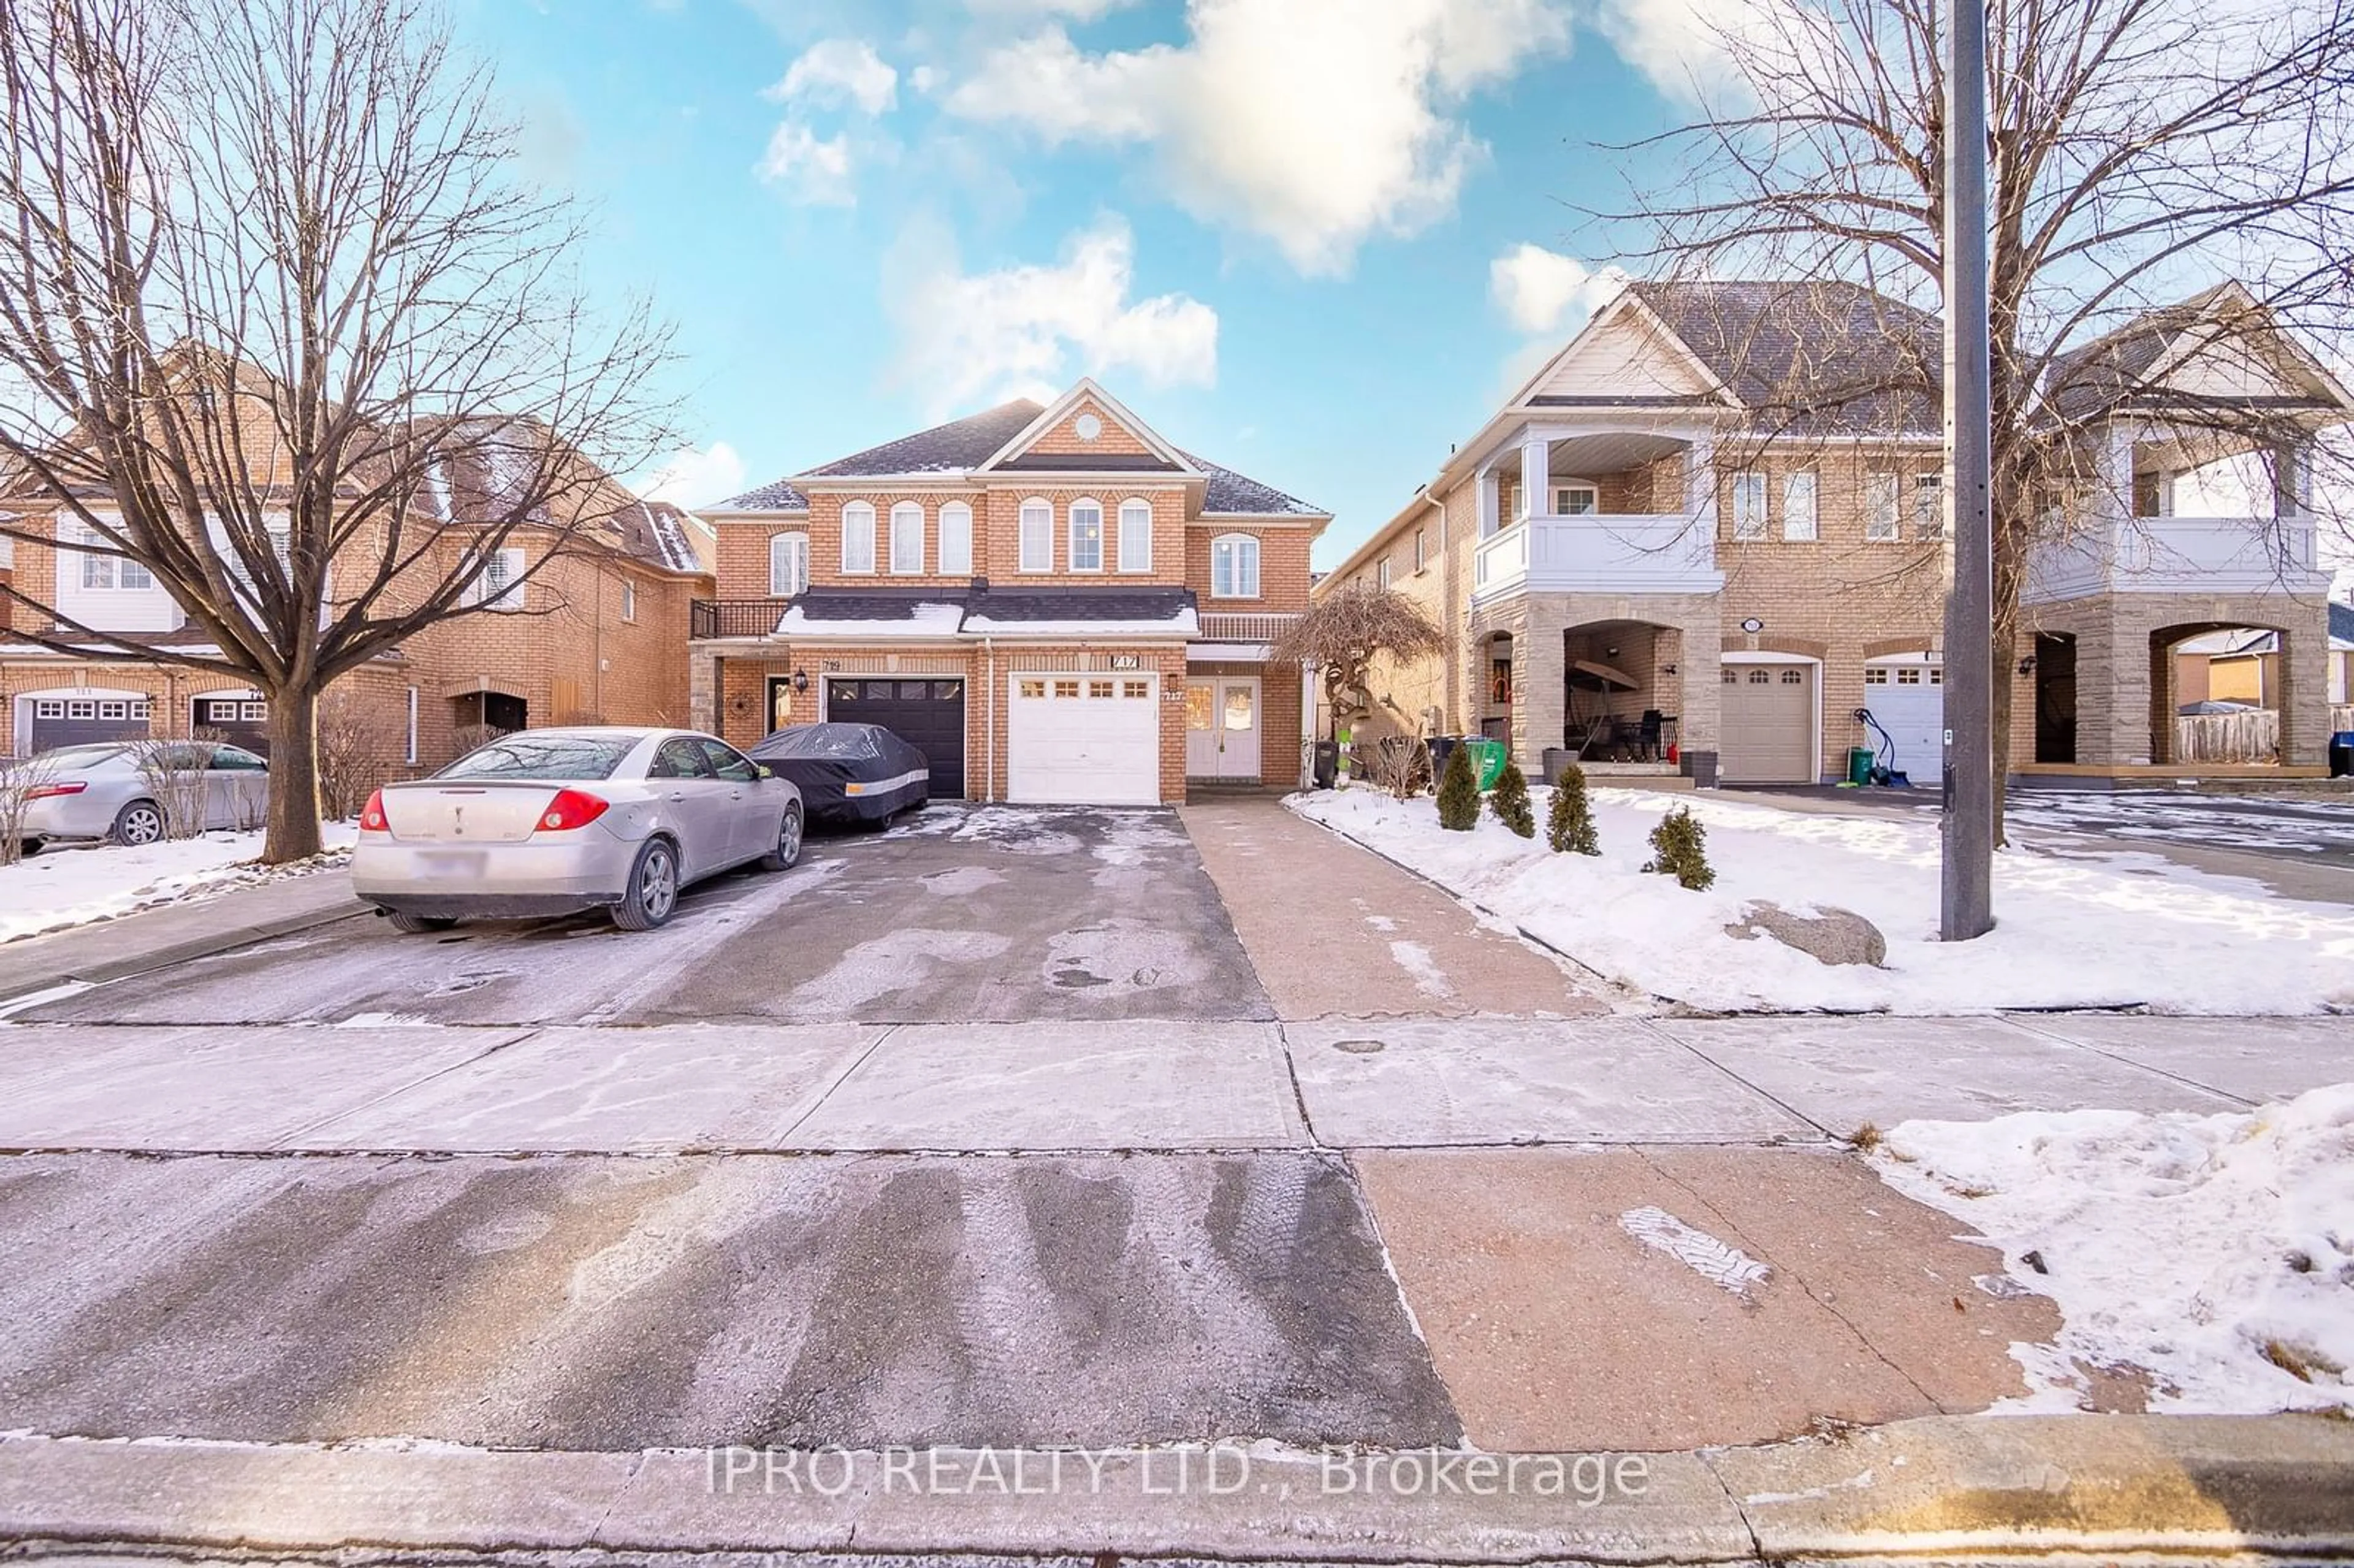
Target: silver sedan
{"type": "Point", "coordinates": [551, 822]}
{"type": "Point", "coordinates": [110, 789]}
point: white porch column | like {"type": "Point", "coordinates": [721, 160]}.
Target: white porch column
{"type": "Point", "coordinates": [2292, 478]}
{"type": "Point", "coordinates": [1536, 476]}
{"type": "Point", "coordinates": [1699, 481]}
{"type": "Point", "coordinates": [1484, 489]}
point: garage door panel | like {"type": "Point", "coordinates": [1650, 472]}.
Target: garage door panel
{"type": "Point", "coordinates": [55, 722]}
{"type": "Point", "coordinates": [1768, 725]}
{"type": "Point", "coordinates": [1909, 702]}
{"type": "Point", "coordinates": [1086, 739]}
{"type": "Point", "coordinates": [927, 711]}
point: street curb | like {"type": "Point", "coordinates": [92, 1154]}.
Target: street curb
{"type": "Point", "coordinates": [179, 952]}
{"type": "Point", "coordinates": [2106, 1487]}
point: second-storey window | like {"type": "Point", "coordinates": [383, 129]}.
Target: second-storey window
{"type": "Point", "coordinates": [499, 583]}
{"type": "Point", "coordinates": [1421, 548]}
{"type": "Point", "coordinates": [1086, 537]}
{"type": "Point", "coordinates": [1135, 535]}
{"type": "Point", "coordinates": [908, 539]}
{"type": "Point", "coordinates": [1381, 573]}
{"type": "Point", "coordinates": [1234, 566]}
{"type": "Point", "coordinates": [788, 565]}
{"type": "Point", "coordinates": [1880, 494]}
{"type": "Point", "coordinates": [1928, 506]}
{"type": "Point", "coordinates": [629, 601]}
{"type": "Point", "coordinates": [109, 571]}
{"type": "Point", "coordinates": [1799, 505]}
{"type": "Point", "coordinates": [956, 539]}
{"type": "Point", "coordinates": [1749, 505]}
{"type": "Point", "coordinates": [1037, 537]}
{"type": "Point", "coordinates": [858, 538]}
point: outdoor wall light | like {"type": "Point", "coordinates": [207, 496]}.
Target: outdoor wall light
{"type": "Point", "coordinates": [2027, 666]}
{"type": "Point", "coordinates": [801, 681]}
{"type": "Point", "coordinates": [1666, 669]}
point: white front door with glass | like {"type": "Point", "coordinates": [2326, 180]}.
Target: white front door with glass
{"type": "Point", "coordinates": [1222, 725]}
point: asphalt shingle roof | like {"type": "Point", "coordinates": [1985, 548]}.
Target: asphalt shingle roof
{"type": "Point", "coordinates": [872, 604]}
{"type": "Point", "coordinates": [965, 443]}
{"type": "Point", "coordinates": [1819, 355]}
{"type": "Point", "coordinates": [1080, 603]}
{"type": "Point", "coordinates": [780, 496]}
{"type": "Point", "coordinates": [1229, 493]}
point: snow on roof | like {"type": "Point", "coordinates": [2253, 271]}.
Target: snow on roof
{"type": "Point", "coordinates": [917, 619]}
{"type": "Point", "coordinates": [1182, 623]}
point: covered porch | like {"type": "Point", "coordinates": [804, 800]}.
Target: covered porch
{"type": "Point", "coordinates": [1565, 508]}
{"type": "Point", "coordinates": [1584, 680]}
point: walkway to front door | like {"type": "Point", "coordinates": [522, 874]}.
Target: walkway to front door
{"type": "Point", "coordinates": [1222, 728]}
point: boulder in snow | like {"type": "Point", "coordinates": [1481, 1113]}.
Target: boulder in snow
{"type": "Point", "coordinates": [1829, 935]}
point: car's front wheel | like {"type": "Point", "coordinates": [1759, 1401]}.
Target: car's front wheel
{"type": "Point", "coordinates": [417, 925]}
{"type": "Point", "coordinates": [653, 893]}
{"type": "Point", "coordinates": [140, 823]}
{"type": "Point", "coordinates": [789, 843]}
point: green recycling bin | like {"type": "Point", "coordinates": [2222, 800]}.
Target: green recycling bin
{"type": "Point", "coordinates": [1488, 756]}
{"type": "Point", "coordinates": [1860, 760]}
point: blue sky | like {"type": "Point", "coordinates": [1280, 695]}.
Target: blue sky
{"type": "Point", "coordinates": [1311, 239]}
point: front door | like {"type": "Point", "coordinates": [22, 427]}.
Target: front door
{"type": "Point", "coordinates": [1222, 728]}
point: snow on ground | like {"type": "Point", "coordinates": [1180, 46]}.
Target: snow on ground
{"type": "Point", "coordinates": [2214, 1252]}
{"type": "Point", "coordinates": [61, 887]}
{"type": "Point", "coordinates": [2082, 931]}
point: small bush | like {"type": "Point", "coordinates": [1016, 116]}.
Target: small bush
{"type": "Point", "coordinates": [1510, 800]}
{"type": "Point", "coordinates": [1459, 793]}
{"type": "Point", "coordinates": [1680, 849]}
{"type": "Point", "coordinates": [1397, 763]}
{"type": "Point", "coordinates": [1569, 822]}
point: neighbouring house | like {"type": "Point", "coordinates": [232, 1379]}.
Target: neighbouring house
{"type": "Point", "coordinates": [1054, 603]}
{"type": "Point", "coordinates": [1709, 534]}
{"type": "Point", "coordinates": [2341, 666]}
{"type": "Point", "coordinates": [581, 624]}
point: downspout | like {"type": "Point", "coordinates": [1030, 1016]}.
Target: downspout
{"type": "Point", "coordinates": [989, 647]}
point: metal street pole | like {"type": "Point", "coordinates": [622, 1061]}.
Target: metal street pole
{"type": "Point", "coordinates": [1968, 892]}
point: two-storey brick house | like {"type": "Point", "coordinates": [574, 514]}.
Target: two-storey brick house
{"type": "Point", "coordinates": [1712, 530]}
{"type": "Point", "coordinates": [578, 624]}
{"type": "Point", "coordinates": [1056, 604]}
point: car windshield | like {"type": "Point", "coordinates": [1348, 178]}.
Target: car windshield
{"type": "Point", "coordinates": [832, 742]}
{"type": "Point", "coordinates": [528, 756]}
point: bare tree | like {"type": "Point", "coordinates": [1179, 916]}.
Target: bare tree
{"type": "Point", "coordinates": [2141, 151]}
{"type": "Point", "coordinates": [278, 317]}
{"type": "Point", "coordinates": [1342, 633]}
{"type": "Point", "coordinates": [358, 750]}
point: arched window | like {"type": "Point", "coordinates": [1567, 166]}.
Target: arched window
{"type": "Point", "coordinates": [1086, 537]}
{"type": "Point", "coordinates": [956, 539]}
{"type": "Point", "coordinates": [1037, 535]}
{"type": "Point", "coordinates": [788, 565]}
{"type": "Point", "coordinates": [908, 539]}
{"type": "Point", "coordinates": [858, 538]}
{"type": "Point", "coordinates": [1234, 566]}
{"type": "Point", "coordinates": [1135, 535]}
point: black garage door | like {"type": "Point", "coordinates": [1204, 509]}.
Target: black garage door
{"type": "Point", "coordinates": [926, 714]}
{"type": "Point", "coordinates": [241, 721]}
{"type": "Point", "coordinates": [82, 721]}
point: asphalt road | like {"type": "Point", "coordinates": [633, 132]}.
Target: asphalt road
{"type": "Point", "coordinates": [989, 915]}
{"type": "Point", "coordinates": [2310, 832]}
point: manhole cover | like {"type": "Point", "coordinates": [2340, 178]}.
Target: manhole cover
{"type": "Point", "coordinates": [1357, 1047]}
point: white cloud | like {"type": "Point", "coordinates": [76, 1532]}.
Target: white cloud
{"type": "Point", "coordinates": [693, 476]}
{"type": "Point", "coordinates": [1686, 47]}
{"type": "Point", "coordinates": [810, 169]}
{"type": "Point", "coordinates": [1316, 123]}
{"type": "Point", "coordinates": [1542, 290]}
{"type": "Point", "coordinates": [840, 73]}
{"type": "Point", "coordinates": [1029, 329]}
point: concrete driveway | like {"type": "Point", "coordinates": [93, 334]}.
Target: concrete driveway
{"type": "Point", "coordinates": [980, 915]}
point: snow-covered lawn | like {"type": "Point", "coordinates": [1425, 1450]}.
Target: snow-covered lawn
{"type": "Point", "coordinates": [2074, 931]}
{"type": "Point", "coordinates": [61, 887]}
{"type": "Point", "coordinates": [2214, 1252]}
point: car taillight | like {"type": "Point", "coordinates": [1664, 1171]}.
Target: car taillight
{"type": "Point", "coordinates": [43, 792]}
{"type": "Point", "coordinates": [372, 819]}
{"type": "Point", "coordinates": [571, 809]}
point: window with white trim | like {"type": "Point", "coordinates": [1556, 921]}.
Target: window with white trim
{"type": "Point", "coordinates": [1748, 505]}
{"type": "Point", "coordinates": [499, 582]}
{"type": "Point", "coordinates": [1928, 506]}
{"type": "Point", "coordinates": [1086, 537]}
{"type": "Point", "coordinates": [1799, 507]}
{"type": "Point", "coordinates": [956, 539]}
{"type": "Point", "coordinates": [629, 601]}
{"type": "Point", "coordinates": [1575, 500]}
{"type": "Point", "coordinates": [1234, 566]}
{"type": "Point", "coordinates": [906, 539]}
{"type": "Point", "coordinates": [788, 563]}
{"type": "Point", "coordinates": [1421, 548]}
{"type": "Point", "coordinates": [1880, 503]}
{"type": "Point", "coordinates": [1135, 535]}
{"type": "Point", "coordinates": [858, 538]}
{"type": "Point", "coordinates": [1037, 542]}
{"type": "Point", "coordinates": [1381, 573]}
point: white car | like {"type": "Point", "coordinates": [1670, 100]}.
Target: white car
{"type": "Point", "coordinates": [553, 821]}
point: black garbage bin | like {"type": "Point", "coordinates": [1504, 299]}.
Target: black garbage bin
{"type": "Point", "coordinates": [1440, 745]}
{"type": "Point", "coordinates": [2341, 753]}
{"type": "Point", "coordinates": [1327, 767]}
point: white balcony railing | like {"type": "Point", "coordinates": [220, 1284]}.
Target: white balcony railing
{"type": "Point", "coordinates": [1244, 626]}
{"type": "Point", "coordinates": [1671, 552]}
{"type": "Point", "coordinates": [2179, 555]}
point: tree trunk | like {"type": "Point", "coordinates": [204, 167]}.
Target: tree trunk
{"type": "Point", "coordinates": [294, 828]}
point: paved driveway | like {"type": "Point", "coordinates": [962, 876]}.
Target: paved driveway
{"type": "Point", "coordinates": [2317, 832]}
{"type": "Point", "coordinates": [990, 915]}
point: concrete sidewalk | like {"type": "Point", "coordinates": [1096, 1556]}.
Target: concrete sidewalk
{"type": "Point", "coordinates": [174, 933]}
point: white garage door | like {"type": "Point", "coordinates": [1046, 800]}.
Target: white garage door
{"type": "Point", "coordinates": [1769, 725]}
{"type": "Point", "coordinates": [1908, 698]}
{"type": "Point", "coordinates": [1084, 740]}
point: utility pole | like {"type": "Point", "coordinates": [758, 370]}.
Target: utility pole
{"type": "Point", "coordinates": [1967, 905]}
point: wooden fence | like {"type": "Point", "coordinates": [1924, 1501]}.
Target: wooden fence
{"type": "Point", "coordinates": [2251, 737]}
